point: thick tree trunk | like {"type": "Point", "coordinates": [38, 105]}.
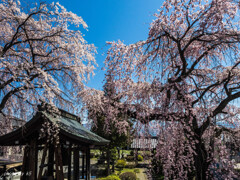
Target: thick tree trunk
{"type": "Point", "coordinates": [200, 161]}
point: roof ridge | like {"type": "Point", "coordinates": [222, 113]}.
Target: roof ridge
{"type": "Point", "coordinates": [44, 106]}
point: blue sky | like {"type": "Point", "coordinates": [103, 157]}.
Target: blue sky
{"type": "Point", "coordinates": [112, 20]}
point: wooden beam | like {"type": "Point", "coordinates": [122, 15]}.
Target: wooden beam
{"type": "Point", "coordinates": [76, 164]}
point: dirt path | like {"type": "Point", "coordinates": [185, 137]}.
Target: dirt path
{"type": "Point", "coordinates": [141, 175]}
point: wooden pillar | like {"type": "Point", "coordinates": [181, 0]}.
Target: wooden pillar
{"type": "Point", "coordinates": [83, 164]}
{"type": "Point", "coordinates": [76, 164]}
{"type": "Point", "coordinates": [30, 169]}
{"type": "Point", "coordinates": [36, 162]}
{"type": "Point", "coordinates": [42, 162]}
{"type": "Point", "coordinates": [88, 166]}
{"type": "Point", "coordinates": [58, 164]}
{"type": "Point", "coordinates": [25, 163]}
{"type": "Point", "coordinates": [4, 171]}
{"type": "Point", "coordinates": [50, 160]}
{"type": "Point", "coordinates": [108, 161]}
{"type": "Point", "coordinates": [69, 162]}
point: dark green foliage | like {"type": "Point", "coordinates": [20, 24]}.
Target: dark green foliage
{"type": "Point", "coordinates": [121, 163]}
{"type": "Point", "coordinates": [157, 169]}
{"type": "Point", "coordinates": [96, 155]}
{"type": "Point", "coordinates": [130, 165]}
{"type": "Point", "coordinates": [113, 153]}
{"type": "Point", "coordinates": [117, 139]}
{"type": "Point", "coordinates": [130, 158]}
{"type": "Point", "coordinates": [128, 176]}
{"type": "Point", "coordinates": [132, 153]}
{"type": "Point", "coordinates": [140, 158]}
{"type": "Point", "coordinates": [92, 155]}
{"type": "Point", "coordinates": [136, 170]}
{"type": "Point", "coordinates": [238, 171]}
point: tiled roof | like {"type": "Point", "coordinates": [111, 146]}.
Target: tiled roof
{"type": "Point", "coordinates": [72, 126]}
{"type": "Point", "coordinates": [69, 126]}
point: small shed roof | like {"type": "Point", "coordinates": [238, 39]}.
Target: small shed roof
{"type": "Point", "coordinates": [69, 125]}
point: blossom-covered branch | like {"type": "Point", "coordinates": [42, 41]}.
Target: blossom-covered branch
{"type": "Point", "coordinates": [43, 55]}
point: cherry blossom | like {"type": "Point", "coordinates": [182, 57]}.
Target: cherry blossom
{"type": "Point", "coordinates": [185, 76]}
{"type": "Point", "coordinates": [43, 56]}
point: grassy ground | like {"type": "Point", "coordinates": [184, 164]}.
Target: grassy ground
{"type": "Point", "coordinates": [119, 171]}
{"type": "Point", "coordinates": [99, 170]}
{"type": "Point", "coordinates": [140, 172]}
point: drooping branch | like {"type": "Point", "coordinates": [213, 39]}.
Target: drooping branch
{"type": "Point", "coordinates": [218, 110]}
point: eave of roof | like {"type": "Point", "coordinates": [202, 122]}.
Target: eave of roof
{"type": "Point", "coordinates": [69, 128]}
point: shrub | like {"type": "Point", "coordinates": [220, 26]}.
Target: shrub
{"type": "Point", "coordinates": [121, 163]}
{"type": "Point", "coordinates": [97, 155]}
{"type": "Point", "coordinates": [92, 155]}
{"type": "Point", "coordinates": [113, 153]}
{"type": "Point", "coordinates": [111, 177]}
{"type": "Point", "coordinates": [130, 158]}
{"type": "Point", "coordinates": [128, 176]}
{"type": "Point", "coordinates": [131, 153]}
{"type": "Point", "coordinates": [136, 170]}
{"type": "Point", "coordinates": [140, 158]}
{"type": "Point", "coordinates": [130, 165]}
